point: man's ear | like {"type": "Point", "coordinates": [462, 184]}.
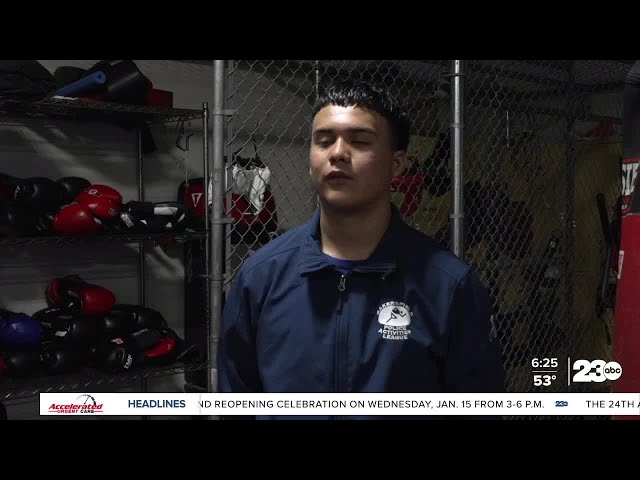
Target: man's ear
{"type": "Point", "coordinates": [399, 163]}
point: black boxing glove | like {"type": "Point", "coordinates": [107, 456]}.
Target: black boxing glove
{"type": "Point", "coordinates": [111, 357]}
{"type": "Point", "coordinates": [123, 354]}
{"type": "Point", "coordinates": [140, 340]}
{"type": "Point", "coordinates": [182, 351]}
{"type": "Point", "coordinates": [141, 317]}
{"type": "Point", "coordinates": [17, 219]}
{"type": "Point", "coordinates": [124, 319]}
{"type": "Point", "coordinates": [153, 217]}
{"type": "Point", "coordinates": [59, 358]}
{"type": "Point", "coordinates": [44, 223]}
{"type": "Point", "coordinates": [169, 216]}
{"type": "Point", "coordinates": [117, 323]}
{"type": "Point", "coordinates": [8, 185]}
{"type": "Point", "coordinates": [138, 209]}
{"type": "Point", "coordinates": [21, 363]}
{"type": "Point", "coordinates": [131, 223]}
{"type": "Point", "coordinates": [38, 193]}
{"type": "Point", "coordinates": [71, 328]}
{"type": "Point", "coordinates": [69, 188]}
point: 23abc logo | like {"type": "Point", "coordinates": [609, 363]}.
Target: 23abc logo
{"type": "Point", "coordinates": [595, 371]}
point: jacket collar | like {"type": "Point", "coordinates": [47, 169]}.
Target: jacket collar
{"type": "Point", "coordinates": [383, 259]}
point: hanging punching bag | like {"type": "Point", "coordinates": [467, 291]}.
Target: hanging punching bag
{"type": "Point", "coordinates": [626, 345]}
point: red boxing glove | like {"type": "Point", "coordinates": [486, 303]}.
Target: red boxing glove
{"type": "Point", "coordinates": [166, 346]}
{"type": "Point", "coordinates": [104, 191]}
{"type": "Point", "coordinates": [76, 219]}
{"type": "Point", "coordinates": [74, 294]}
{"type": "Point", "coordinates": [103, 201]}
{"type": "Point", "coordinates": [164, 352]}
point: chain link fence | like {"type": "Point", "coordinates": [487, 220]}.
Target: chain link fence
{"type": "Point", "coordinates": [541, 178]}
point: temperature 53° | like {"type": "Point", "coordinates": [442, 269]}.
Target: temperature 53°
{"type": "Point", "coordinates": [543, 380]}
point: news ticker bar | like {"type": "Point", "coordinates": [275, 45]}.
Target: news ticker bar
{"type": "Point", "coordinates": [216, 404]}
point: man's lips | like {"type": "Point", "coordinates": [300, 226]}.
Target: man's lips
{"type": "Point", "coordinates": [338, 176]}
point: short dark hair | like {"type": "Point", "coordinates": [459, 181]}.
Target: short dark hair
{"type": "Point", "coordinates": [372, 97]}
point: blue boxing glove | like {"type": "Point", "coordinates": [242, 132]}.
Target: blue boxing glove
{"type": "Point", "coordinates": [19, 332]}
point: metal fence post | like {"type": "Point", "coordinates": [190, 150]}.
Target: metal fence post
{"type": "Point", "coordinates": [217, 233]}
{"type": "Point", "coordinates": [457, 125]}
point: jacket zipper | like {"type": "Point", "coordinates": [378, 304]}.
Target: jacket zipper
{"type": "Point", "coordinates": [340, 343]}
{"type": "Point", "coordinates": [341, 340]}
{"type": "Point", "coordinates": [341, 288]}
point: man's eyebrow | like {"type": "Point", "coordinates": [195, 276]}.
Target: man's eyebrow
{"type": "Point", "coordinates": [351, 130]}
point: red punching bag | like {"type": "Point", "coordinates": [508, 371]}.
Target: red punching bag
{"type": "Point", "coordinates": [626, 342]}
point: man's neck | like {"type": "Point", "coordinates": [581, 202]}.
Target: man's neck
{"type": "Point", "coordinates": [353, 235]}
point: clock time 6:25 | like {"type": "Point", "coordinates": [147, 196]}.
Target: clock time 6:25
{"type": "Point", "coordinates": [544, 362]}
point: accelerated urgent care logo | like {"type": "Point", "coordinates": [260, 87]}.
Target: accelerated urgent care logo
{"type": "Point", "coordinates": [83, 404]}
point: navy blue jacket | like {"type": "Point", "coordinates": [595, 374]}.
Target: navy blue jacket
{"type": "Point", "coordinates": [412, 318]}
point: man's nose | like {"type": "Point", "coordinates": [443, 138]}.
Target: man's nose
{"type": "Point", "coordinates": [340, 151]}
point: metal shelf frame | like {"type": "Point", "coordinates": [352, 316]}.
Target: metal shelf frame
{"type": "Point", "coordinates": [52, 107]}
{"type": "Point", "coordinates": [57, 108]}
{"type": "Point", "coordinates": [154, 238]}
{"type": "Point", "coordinates": [20, 388]}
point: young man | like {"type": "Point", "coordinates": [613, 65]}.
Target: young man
{"type": "Point", "coordinates": [355, 300]}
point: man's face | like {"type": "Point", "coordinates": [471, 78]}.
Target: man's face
{"type": "Point", "coordinates": [352, 160]}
